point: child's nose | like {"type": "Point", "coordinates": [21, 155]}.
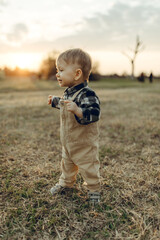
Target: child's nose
{"type": "Point", "coordinates": [57, 74]}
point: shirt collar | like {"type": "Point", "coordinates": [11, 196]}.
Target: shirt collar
{"type": "Point", "coordinates": [74, 89]}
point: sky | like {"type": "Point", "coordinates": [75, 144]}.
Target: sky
{"type": "Point", "coordinates": [31, 30]}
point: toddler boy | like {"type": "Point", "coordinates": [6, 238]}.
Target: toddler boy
{"type": "Point", "coordinates": [79, 115]}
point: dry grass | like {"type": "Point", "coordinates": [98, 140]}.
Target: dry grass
{"type": "Point", "coordinates": [30, 154]}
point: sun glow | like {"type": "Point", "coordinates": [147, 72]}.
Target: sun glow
{"type": "Point", "coordinates": [23, 60]}
{"type": "Point", "coordinates": [30, 61]}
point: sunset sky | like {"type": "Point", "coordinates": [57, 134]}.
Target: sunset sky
{"type": "Point", "coordinates": [30, 30]}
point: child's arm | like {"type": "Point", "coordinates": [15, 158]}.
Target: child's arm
{"type": "Point", "coordinates": [54, 101]}
{"type": "Point", "coordinates": [86, 109]}
{"type": "Point", "coordinates": [90, 106]}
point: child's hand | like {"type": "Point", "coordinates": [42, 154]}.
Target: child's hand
{"type": "Point", "coordinates": [49, 99]}
{"type": "Point", "coordinates": [72, 107]}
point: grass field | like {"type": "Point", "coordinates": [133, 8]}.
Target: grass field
{"type": "Point", "coordinates": [30, 154]}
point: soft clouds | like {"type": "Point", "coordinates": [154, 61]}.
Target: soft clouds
{"type": "Point", "coordinates": [97, 26]}
{"type": "Point", "coordinates": [18, 33]}
{"type": "Point", "coordinates": [3, 2]}
{"type": "Point", "coordinates": [117, 28]}
{"type": "Point", "coordinates": [113, 29]}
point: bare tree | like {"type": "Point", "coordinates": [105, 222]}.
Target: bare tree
{"type": "Point", "coordinates": [138, 48]}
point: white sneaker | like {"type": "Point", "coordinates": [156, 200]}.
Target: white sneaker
{"type": "Point", "coordinates": [94, 197]}
{"type": "Point", "coordinates": [56, 189]}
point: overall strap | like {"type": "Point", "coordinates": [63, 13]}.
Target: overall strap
{"type": "Point", "coordinates": [72, 98]}
{"type": "Point", "coordinates": [76, 94]}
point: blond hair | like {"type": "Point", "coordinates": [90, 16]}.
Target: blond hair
{"type": "Point", "coordinates": [77, 55]}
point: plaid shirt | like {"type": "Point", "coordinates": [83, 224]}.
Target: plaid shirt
{"type": "Point", "coordinates": [87, 100]}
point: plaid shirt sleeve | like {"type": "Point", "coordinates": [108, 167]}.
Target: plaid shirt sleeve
{"type": "Point", "coordinates": [55, 102]}
{"type": "Point", "coordinates": [90, 105]}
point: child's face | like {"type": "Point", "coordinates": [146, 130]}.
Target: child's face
{"type": "Point", "coordinates": [66, 74]}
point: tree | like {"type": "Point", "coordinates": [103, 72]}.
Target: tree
{"type": "Point", "coordinates": [95, 75]}
{"type": "Point", "coordinates": [138, 48]}
{"type": "Point", "coordinates": [48, 66]}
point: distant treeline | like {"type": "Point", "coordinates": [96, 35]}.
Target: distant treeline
{"type": "Point", "coordinates": [8, 72]}
{"type": "Point", "coordinates": [43, 74]}
{"type": "Point", "coordinates": [47, 71]}
{"type": "Point", "coordinates": [50, 74]}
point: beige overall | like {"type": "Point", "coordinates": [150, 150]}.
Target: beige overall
{"type": "Point", "coordinates": [79, 150]}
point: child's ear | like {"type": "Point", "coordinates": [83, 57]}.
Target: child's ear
{"type": "Point", "coordinates": [78, 74]}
